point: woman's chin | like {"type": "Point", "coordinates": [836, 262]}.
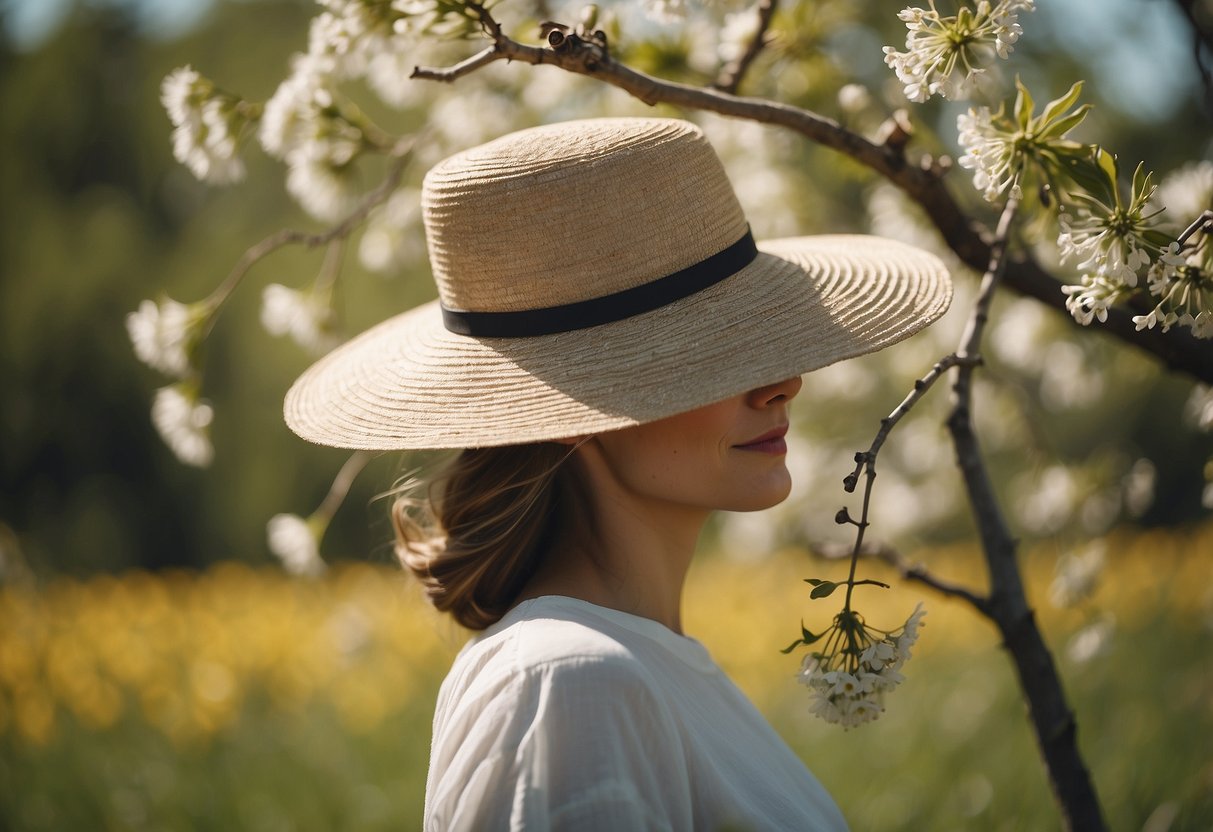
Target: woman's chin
{"type": "Point", "coordinates": [763, 495]}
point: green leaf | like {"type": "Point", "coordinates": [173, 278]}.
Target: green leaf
{"type": "Point", "coordinates": [1107, 163]}
{"type": "Point", "coordinates": [807, 637]}
{"type": "Point", "coordinates": [1141, 179]}
{"type": "Point", "coordinates": [815, 581]}
{"type": "Point", "coordinates": [1064, 125]}
{"type": "Point", "coordinates": [1059, 105]}
{"type": "Point", "coordinates": [1097, 179]}
{"type": "Point", "coordinates": [822, 589]}
{"type": "Point", "coordinates": [1023, 105]}
{"type": "Point", "coordinates": [1160, 239]}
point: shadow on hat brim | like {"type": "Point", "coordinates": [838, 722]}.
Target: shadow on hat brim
{"type": "Point", "coordinates": [804, 303]}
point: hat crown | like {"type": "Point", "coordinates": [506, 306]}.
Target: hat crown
{"type": "Point", "coordinates": [573, 211]}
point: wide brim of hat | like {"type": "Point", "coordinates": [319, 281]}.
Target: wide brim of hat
{"type": "Point", "coordinates": [802, 304]}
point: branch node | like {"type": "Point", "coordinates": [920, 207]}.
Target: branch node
{"type": "Point", "coordinates": [895, 132]}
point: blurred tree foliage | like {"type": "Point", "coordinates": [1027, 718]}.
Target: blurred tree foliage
{"type": "Point", "coordinates": [97, 215]}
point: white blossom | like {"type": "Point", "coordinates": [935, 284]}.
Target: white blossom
{"type": "Point", "coordinates": [182, 94]}
{"type": "Point", "coordinates": [1048, 499]}
{"type": "Point", "coordinates": [1199, 408]}
{"type": "Point", "coordinates": [394, 237]}
{"type": "Point", "coordinates": [183, 423]}
{"type": "Point", "coordinates": [736, 33]}
{"type": "Point", "coordinates": [1077, 575]}
{"type": "Point", "coordinates": [854, 98]}
{"type": "Point", "coordinates": [849, 677]}
{"type": "Point", "coordinates": [990, 152]}
{"type": "Point", "coordinates": [1066, 379]}
{"type": "Point", "coordinates": [163, 334]}
{"type": "Point", "coordinates": [1092, 640]}
{"type": "Point", "coordinates": [207, 126]}
{"type": "Point", "coordinates": [946, 55]}
{"type": "Point", "coordinates": [325, 190]}
{"type": "Point", "coordinates": [1137, 487]}
{"type": "Point", "coordinates": [295, 542]}
{"type": "Point", "coordinates": [666, 11]}
{"type": "Point", "coordinates": [1187, 191]}
{"type": "Point", "coordinates": [303, 315]}
{"type": "Point", "coordinates": [1091, 299]}
{"type": "Point", "coordinates": [387, 74]}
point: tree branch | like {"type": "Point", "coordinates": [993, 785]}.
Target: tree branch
{"type": "Point", "coordinates": [1008, 609]}
{"type": "Point", "coordinates": [732, 73]}
{"type": "Point", "coordinates": [924, 185]}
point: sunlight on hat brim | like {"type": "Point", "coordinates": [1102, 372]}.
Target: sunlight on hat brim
{"type": "Point", "coordinates": [805, 303]}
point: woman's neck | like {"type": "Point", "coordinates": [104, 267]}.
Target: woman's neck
{"type": "Point", "coordinates": [632, 555]}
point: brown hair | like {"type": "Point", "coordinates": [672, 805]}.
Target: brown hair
{"type": "Point", "coordinates": [485, 526]}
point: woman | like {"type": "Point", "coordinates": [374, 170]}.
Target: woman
{"type": "Point", "coordinates": [618, 358]}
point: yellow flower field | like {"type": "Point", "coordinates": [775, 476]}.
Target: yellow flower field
{"type": "Point", "coordinates": [301, 704]}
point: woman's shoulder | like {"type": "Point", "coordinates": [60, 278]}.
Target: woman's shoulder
{"type": "Point", "coordinates": [551, 634]}
{"type": "Point", "coordinates": [548, 650]}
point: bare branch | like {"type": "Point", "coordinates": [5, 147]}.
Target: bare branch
{"type": "Point", "coordinates": [341, 230]}
{"type": "Point", "coordinates": [909, 571]}
{"type": "Point", "coordinates": [732, 73]}
{"type": "Point", "coordinates": [484, 57]}
{"type": "Point", "coordinates": [1007, 605]}
{"type": "Point", "coordinates": [996, 539]}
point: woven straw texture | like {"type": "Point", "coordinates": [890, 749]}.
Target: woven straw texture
{"type": "Point", "coordinates": [580, 210]}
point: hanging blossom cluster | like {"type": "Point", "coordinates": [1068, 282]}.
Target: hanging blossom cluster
{"type": "Point", "coordinates": [295, 541]}
{"type": "Point", "coordinates": [947, 55]}
{"type": "Point", "coordinates": [183, 422]}
{"type": "Point", "coordinates": [310, 126]}
{"type": "Point", "coordinates": [165, 336]}
{"type": "Point", "coordinates": [856, 666]}
{"type": "Point", "coordinates": [304, 315]}
{"type": "Point", "coordinates": [208, 126]}
{"type": "Point", "coordinates": [307, 123]}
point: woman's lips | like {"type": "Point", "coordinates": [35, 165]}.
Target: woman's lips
{"type": "Point", "coordinates": [771, 442]}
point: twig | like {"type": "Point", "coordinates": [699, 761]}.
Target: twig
{"type": "Point", "coordinates": [732, 73]}
{"type": "Point", "coordinates": [341, 230]}
{"type": "Point", "coordinates": [342, 484]}
{"type": "Point", "coordinates": [865, 461]}
{"type": "Point", "coordinates": [921, 386]}
{"type": "Point", "coordinates": [1177, 349]}
{"type": "Point", "coordinates": [1202, 223]}
{"type": "Point", "coordinates": [907, 570]}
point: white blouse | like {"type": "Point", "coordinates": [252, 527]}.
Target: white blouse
{"type": "Point", "coordinates": [568, 715]}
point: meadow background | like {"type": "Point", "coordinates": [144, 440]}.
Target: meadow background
{"type": "Point", "coordinates": [238, 698]}
{"type": "Point", "coordinates": [158, 668]}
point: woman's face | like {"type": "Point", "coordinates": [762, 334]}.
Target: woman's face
{"type": "Point", "coordinates": [727, 456]}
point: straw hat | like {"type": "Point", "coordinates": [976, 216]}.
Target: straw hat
{"type": "Point", "coordinates": [598, 274]}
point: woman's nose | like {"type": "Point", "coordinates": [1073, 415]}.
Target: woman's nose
{"type": "Point", "coordinates": [780, 392]}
